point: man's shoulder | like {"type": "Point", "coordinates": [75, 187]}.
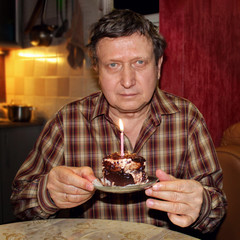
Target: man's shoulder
{"type": "Point", "coordinates": [85, 101]}
{"type": "Point", "coordinates": [175, 98]}
{"type": "Point", "coordinates": [184, 106]}
{"type": "Point", "coordinates": [86, 105]}
{"type": "Point", "coordinates": [179, 101]}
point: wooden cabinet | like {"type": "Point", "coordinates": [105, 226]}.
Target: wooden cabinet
{"type": "Point", "coordinates": [10, 23]}
{"type": "Point", "coordinates": [16, 141]}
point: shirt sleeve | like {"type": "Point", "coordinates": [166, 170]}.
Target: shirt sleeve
{"type": "Point", "coordinates": [203, 166]}
{"type": "Point", "coordinates": [30, 198]}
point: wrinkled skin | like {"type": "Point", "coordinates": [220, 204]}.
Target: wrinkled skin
{"type": "Point", "coordinates": [70, 186]}
{"type": "Point", "coordinates": [181, 199]}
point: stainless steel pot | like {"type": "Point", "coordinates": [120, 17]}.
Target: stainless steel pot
{"type": "Point", "coordinates": [19, 113]}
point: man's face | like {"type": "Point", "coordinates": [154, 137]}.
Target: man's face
{"type": "Point", "coordinates": [127, 70]}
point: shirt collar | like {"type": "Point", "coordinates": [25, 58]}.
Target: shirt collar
{"type": "Point", "coordinates": [161, 104]}
{"type": "Point", "coordinates": [101, 107]}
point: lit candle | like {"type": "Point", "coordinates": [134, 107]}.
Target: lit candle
{"type": "Point", "coordinates": [121, 137]}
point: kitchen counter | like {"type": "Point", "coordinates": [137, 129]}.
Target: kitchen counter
{"type": "Point", "coordinates": [16, 141]}
{"type": "Point", "coordinates": [5, 123]}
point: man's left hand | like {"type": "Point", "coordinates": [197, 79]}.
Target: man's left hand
{"type": "Point", "coordinates": [181, 199]}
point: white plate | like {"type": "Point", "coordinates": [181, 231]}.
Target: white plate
{"type": "Point", "coordinates": [126, 189]}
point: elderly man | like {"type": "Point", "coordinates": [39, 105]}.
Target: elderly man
{"type": "Point", "coordinates": [168, 131]}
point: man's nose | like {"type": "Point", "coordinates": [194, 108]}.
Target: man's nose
{"type": "Point", "coordinates": [128, 76]}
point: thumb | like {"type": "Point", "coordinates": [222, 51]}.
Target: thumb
{"type": "Point", "coordinates": [85, 172]}
{"type": "Point", "coordinates": [162, 176]}
{"type": "Point", "coordinates": [180, 220]}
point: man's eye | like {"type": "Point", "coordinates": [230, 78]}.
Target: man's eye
{"type": "Point", "coordinates": [113, 65]}
{"type": "Point", "coordinates": [140, 62]}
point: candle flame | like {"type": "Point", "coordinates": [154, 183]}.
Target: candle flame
{"type": "Point", "coordinates": [121, 125]}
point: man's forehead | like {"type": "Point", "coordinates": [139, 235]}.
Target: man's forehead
{"type": "Point", "coordinates": [134, 35]}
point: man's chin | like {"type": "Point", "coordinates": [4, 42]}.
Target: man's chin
{"type": "Point", "coordinates": [129, 109]}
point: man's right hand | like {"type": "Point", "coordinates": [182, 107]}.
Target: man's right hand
{"type": "Point", "coordinates": [70, 186]}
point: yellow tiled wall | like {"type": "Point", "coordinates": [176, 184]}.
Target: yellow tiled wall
{"type": "Point", "coordinates": [41, 77]}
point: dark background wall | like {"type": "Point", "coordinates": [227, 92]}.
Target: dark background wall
{"type": "Point", "coordinates": [203, 57]}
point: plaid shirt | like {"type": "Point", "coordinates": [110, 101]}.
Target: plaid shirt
{"type": "Point", "coordinates": [174, 138]}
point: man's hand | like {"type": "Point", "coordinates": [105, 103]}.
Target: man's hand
{"type": "Point", "coordinates": [181, 199]}
{"type": "Point", "coordinates": [70, 186]}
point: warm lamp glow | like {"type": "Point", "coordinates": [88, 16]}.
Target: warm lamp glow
{"type": "Point", "coordinates": [31, 55]}
{"type": "Point", "coordinates": [41, 57]}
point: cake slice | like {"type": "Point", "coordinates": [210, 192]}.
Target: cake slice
{"type": "Point", "coordinates": [123, 170]}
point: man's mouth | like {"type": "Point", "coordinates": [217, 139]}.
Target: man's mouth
{"type": "Point", "coordinates": [128, 94]}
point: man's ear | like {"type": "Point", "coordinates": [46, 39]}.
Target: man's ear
{"type": "Point", "coordinates": [159, 66]}
{"type": "Point", "coordinates": [95, 68]}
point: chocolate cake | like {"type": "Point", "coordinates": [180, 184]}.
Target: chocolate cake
{"type": "Point", "coordinates": [123, 170]}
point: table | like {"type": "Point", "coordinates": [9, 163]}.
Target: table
{"type": "Point", "coordinates": [86, 229]}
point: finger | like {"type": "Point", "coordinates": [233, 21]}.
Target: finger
{"type": "Point", "coordinates": [184, 186]}
{"type": "Point", "coordinates": [75, 198]}
{"type": "Point", "coordinates": [171, 196]}
{"type": "Point", "coordinates": [86, 173]}
{"type": "Point", "coordinates": [181, 220]}
{"type": "Point", "coordinates": [72, 190]}
{"type": "Point", "coordinates": [71, 176]}
{"type": "Point", "coordinates": [64, 200]}
{"type": "Point", "coordinates": [170, 207]}
{"type": "Point", "coordinates": [162, 176]}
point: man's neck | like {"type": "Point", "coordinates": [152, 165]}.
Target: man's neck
{"type": "Point", "coordinates": [132, 122]}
